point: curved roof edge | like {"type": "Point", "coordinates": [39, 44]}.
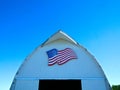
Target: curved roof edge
{"type": "Point", "coordinates": [61, 35]}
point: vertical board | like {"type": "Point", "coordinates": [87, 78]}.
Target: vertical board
{"type": "Point", "coordinates": [26, 84]}
{"type": "Point", "coordinates": [93, 84]}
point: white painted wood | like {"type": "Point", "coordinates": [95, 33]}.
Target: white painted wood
{"type": "Point", "coordinates": [84, 68]}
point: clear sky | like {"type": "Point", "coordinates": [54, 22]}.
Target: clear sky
{"type": "Point", "coordinates": [25, 24]}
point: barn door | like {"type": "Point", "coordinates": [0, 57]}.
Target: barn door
{"type": "Point", "coordinates": [60, 85]}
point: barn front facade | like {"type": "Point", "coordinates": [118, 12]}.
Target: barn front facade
{"type": "Point", "coordinates": [60, 63]}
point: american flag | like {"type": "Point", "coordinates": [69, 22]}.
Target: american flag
{"type": "Point", "coordinates": [60, 56]}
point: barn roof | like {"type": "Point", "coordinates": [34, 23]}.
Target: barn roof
{"type": "Point", "coordinates": [35, 65]}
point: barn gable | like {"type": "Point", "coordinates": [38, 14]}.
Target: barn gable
{"type": "Point", "coordinates": [79, 64]}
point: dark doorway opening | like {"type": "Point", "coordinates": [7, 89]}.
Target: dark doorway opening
{"type": "Point", "coordinates": [60, 85]}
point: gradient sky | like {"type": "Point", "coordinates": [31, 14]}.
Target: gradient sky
{"type": "Point", "coordinates": [25, 24]}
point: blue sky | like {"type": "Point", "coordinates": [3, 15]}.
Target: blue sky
{"type": "Point", "coordinates": [25, 24]}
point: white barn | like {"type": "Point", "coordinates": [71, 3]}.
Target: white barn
{"type": "Point", "coordinates": [60, 63]}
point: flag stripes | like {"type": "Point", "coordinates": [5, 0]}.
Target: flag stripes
{"type": "Point", "coordinates": [62, 57]}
